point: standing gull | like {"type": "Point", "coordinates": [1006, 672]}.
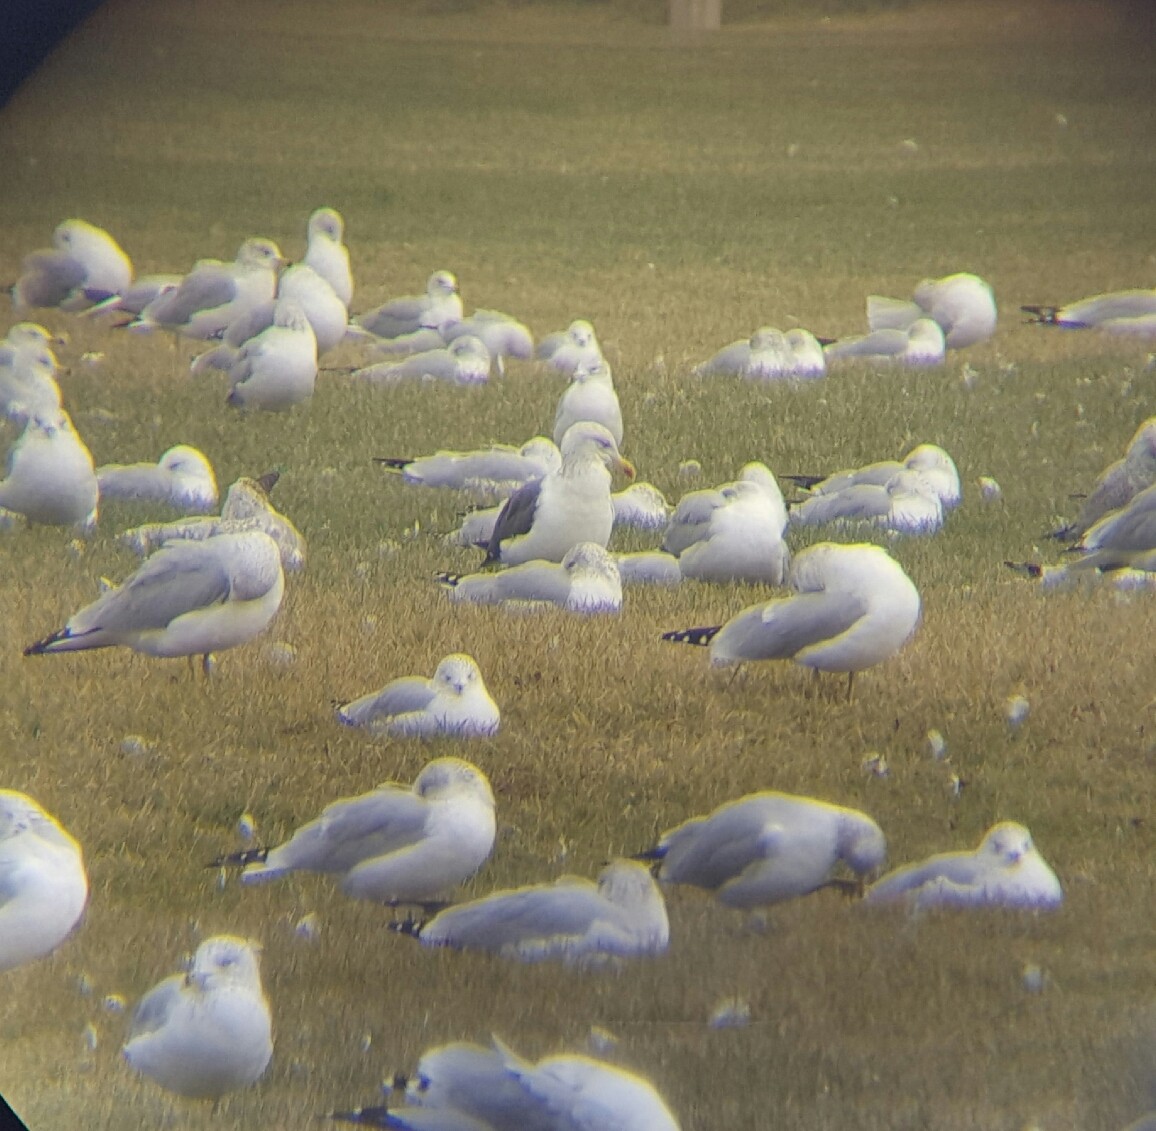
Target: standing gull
{"type": "Point", "coordinates": [768, 847]}
{"type": "Point", "coordinates": [188, 599]}
{"type": "Point", "coordinates": [209, 1031]}
{"type": "Point", "coordinates": [454, 702]}
{"type": "Point", "coordinates": [84, 266]}
{"type": "Point", "coordinates": [1006, 870]}
{"type": "Point", "coordinates": [547, 517]}
{"type": "Point", "coordinates": [327, 254]}
{"type": "Point", "coordinates": [853, 607]}
{"type": "Point", "coordinates": [394, 844]}
{"type": "Point", "coordinates": [43, 886]}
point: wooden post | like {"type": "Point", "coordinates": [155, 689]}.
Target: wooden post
{"type": "Point", "coordinates": [695, 15]}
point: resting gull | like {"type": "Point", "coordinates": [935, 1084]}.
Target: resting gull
{"type": "Point", "coordinates": [209, 1031]}
{"type": "Point", "coordinates": [1127, 313]}
{"type": "Point", "coordinates": [182, 477]}
{"type": "Point", "coordinates": [962, 304]}
{"type": "Point", "coordinates": [691, 520]}
{"type": "Point", "coordinates": [565, 350]}
{"type": "Point", "coordinates": [1006, 870]}
{"type": "Point", "coordinates": [853, 607]}
{"type": "Point", "coordinates": [500, 468]}
{"type": "Point", "coordinates": [394, 844]}
{"type": "Point", "coordinates": [51, 479]}
{"type": "Point", "coordinates": [28, 373]}
{"type": "Point", "coordinates": [455, 702]}
{"type": "Point", "coordinates": [43, 886]}
{"type": "Point", "coordinates": [439, 306]}
{"type": "Point", "coordinates": [465, 361]}
{"type": "Point", "coordinates": [586, 581]}
{"type": "Point", "coordinates": [768, 847]}
{"type": "Point", "coordinates": [573, 919]}
{"type": "Point", "coordinates": [84, 266]}
{"type": "Point", "coordinates": [187, 599]}
{"type": "Point", "coordinates": [742, 539]}
{"type": "Point", "coordinates": [936, 466]}
{"type": "Point", "coordinates": [545, 518]}
{"type": "Point", "coordinates": [327, 254]}
{"type": "Point", "coordinates": [589, 396]}
{"type": "Point", "coordinates": [277, 368]}
{"type": "Point", "coordinates": [920, 345]}
{"type": "Point", "coordinates": [906, 504]}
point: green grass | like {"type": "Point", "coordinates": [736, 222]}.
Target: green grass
{"type": "Point", "coordinates": [568, 161]}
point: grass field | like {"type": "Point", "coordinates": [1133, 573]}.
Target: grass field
{"type": "Point", "coordinates": [567, 160]}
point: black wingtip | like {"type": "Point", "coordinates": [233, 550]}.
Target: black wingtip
{"type": "Point", "coordinates": [449, 580]}
{"type": "Point", "coordinates": [698, 636]}
{"type": "Point", "coordinates": [409, 926]}
{"type": "Point", "coordinates": [43, 647]}
{"type": "Point", "coordinates": [804, 480]}
{"type": "Point", "coordinates": [240, 859]}
{"type": "Point", "coordinates": [1042, 315]}
{"type": "Point", "coordinates": [268, 481]}
{"type": "Point", "coordinates": [1029, 568]}
{"type": "Point", "coordinates": [653, 856]}
{"type": "Point", "coordinates": [393, 463]}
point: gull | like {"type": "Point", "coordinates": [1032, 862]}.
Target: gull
{"type": "Point", "coordinates": [919, 345]}
{"type": "Point", "coordinates": [209, 1031]}
{"type": "Point", "coordinates": [500, 468]}
{"type": "Point", "coordinates": [465, 361]}
{"type": "Point", "coordinates": [455, 702]}
{"type": "Point", "coordinates": [246, 508]}
{"type": "Point", "coordinates": [327, 254]}
{"type": "Point", "coordinates": [937, 467]}
{"type": "Point", "coordinates": [648, 567]}
{"type": "Point", "coordinates": [623, 915]}
{"type": "Point", "coordinates": [1119, 482]}
{"type": "Point", "coordinates": [51, 478]}
{"type": "Point", "coordinates": [546, 517]}
{"type": "Point", "coordinates": [187, 599]}
{"type": "Point", "coordinates": [962, 304]}
{"type": "Point", "coordinates": [768, 847]}
{"type": "Point", "coordinates": [214, 294]}
{"type": "Point", "coordinates": [768, 355]}
{"type": "Point", "coordinates": [1122, 538]}
{"type": "Point", "coordinates": [589, 396]}
{"type": "Point", "coordinates": [440, 305]}
{"type": "Point", "coordinates": [182, 477]}
{"type": "Point", "coordinates": [28, 373]}
{"type": "Point", "coordinates": [742, 539]}
{"type": "Point", "coordinates": [84, 266]}
{"type": "Point", "coordinates": [277, 369]}
{"type": "Point", "coordinates": [586, 581]}
{"type": "Point", "coordinates": [136, 296]}
{"type": "Point", "coordinates": [565, 350]}
{"type": "Point", "coordinates": [906, 504]}
{"type": "Point", "coordinates": [1127, 313]}
{"type": "Point", "coordinates": [43, 886]}
{"type": "Point", "coordinates": [641, 506]}
{"type": "Point", "coordinates": [394, 844]}
{"type": "Point", "coordinates": [1006, 870]}
{"type": "Point", "coordinates": [691, 520]}
{"type": "Point", "coordinates": [502, 335]}
{"type": "Point", "coordinates": [853, 607]}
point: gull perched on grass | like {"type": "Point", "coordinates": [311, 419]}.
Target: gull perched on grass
{"type": "Point", "coordinates": [43, 886]}
{"type": "Point", "coordinates": [455, 702]}
{"type": "Point", "coordinates": [209, 1031]}
{"type": "Point", "coordinates": [1126, 313]}
{"type": "Point", "coordinates": [547, 517]}
{"type": "Point", "coordinates": [394, 844]}
{"type": "Point", "coordinates": [51, 479]}
{"type": "Point", "coordinates": [589, 396]}
{"type": "Point", "coordinates": [439, 306]}
{"type": "Point", "coordinates": [246, 507]}
{"type": "Point", "coordinates": [1118, 483]}
{"type": "Point", "coordinates": [641, 506]}
{"type": "Point", "coordinates": [919, 345]}
{"type": "Point", "coordinates": [84, 266]}
{"type": "Point", "coordinates": [768, 355]}
{"type": "Point", "coordinates": [182, 477]}
{"type": "Point", "coordinates": [906, 504]}
{"type": "Point", "coordinates": [623, 915]}
{"type": "Point", "coordinates": [214, 294]}
{"type": "Point", "coordinates": [853, 607]}
{"type": "Point", "coordinates": [465, 361]}
{"type": "Point", "coordinates": [936, 466]}
{"type": "Point", "coordinates": [327, 254]}
{"type": "Point", "coordinates": [277, 369]}
{"type": "Point", "coordinates": [1006, 870]}
{"type": "Point", "coordinates": [768, 847]}
{"type": "Point", "coordinates": [586, 581]}
{"type": "Point", "coordinates": [187, 599]}
{"type": "Point", "coordinates": [690, 522]}
{"type": "Point", "coordinates": [498, 469]}
{"type": "Point", "coordinates": [28, 373]}
{"type": "Point", "coordinates": [962, 304]}
{"type": "Point", "coordinates": [742, 539]}
{"type": "Point", "coordinates": [502, 335]}
{"type": "Point", "coordinates": [565, 350]}
{"type": "Point", "coordinates": [1122, 539]}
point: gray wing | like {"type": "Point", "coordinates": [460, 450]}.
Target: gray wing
{"type": "Point", "coordinates": [549, 345]}
{"type": "Point", "coordinates": [709, 851]}
{"type": "Point", "coordinates": [249, 325]}
{"type": "Point", "coordinates": [133, 481]}
{"type": "Point", "coordinates": [396, 317]}
{"type": "Point", "coordinates": [729, 361]}
{"type": "Point", "coordinates": [780, 629]}
{"type": "Point", "coordinates": [402, 696]}
{"type": "Point", "coordinates": [862, 501]}
{"type": "Point", "coordinates": [690, 520]}
{"type": "Point", "coordinates": [891, 313]}
{"type": "Point", "coordinates": [515, 518]}
{"type": "Point", "coordinates": [177, 579]}
{"type": "Point", "coordinates": [954, 867]}
{"type": "Point", "coordinates": [156, 1007]}
{"type": "Point", "coordinates": [1101, 308]}
{"type": "Point", "coordinates": [49, 277]}
{"type": "Point", "coordinates": [205, 287]}
{"type": "Point", "coordinates": [879, 343]}
{"type": "Point", "coordinates": [533, 581]}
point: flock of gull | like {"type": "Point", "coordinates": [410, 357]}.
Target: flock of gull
{"type": "Point", "coordinates": [213, 580]}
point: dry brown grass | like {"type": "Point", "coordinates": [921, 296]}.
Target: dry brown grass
{"type": "Point", "coordinates": [569, 162]}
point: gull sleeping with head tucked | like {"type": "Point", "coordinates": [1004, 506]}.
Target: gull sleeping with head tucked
{"type": "Point", "coordinates": [963, 305]}
{"type": "Point", "coordinates": [84, 266]}
{"type": "Point", "coordinates": [498, 469]}
{"type": "Point", "coordinates": [51, 479]}
{"type": "Point", "coordinates": [906, 504]}
{"type": "Point", "coordinates": [182, 477]}
{"type": "Point", "coordinates": [936, 466]}
{"type": "Point", "coordinates": [28, 373]}
{"type": "Point", "coordinates": [465, 361]}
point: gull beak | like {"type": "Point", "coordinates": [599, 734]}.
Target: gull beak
{"type": "Point", "coordinates": [626, 467]}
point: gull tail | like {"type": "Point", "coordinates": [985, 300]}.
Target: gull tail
{"type": "Point", "coordinates": [804, 480]}
{"type": "Point", "coordinates": [698, 636]}
{"type": "Point", "coordinates": [410, 926]}
{"type": "Point", "coordinates": [393, 463]}
{"type": "Point", "coordinates": [652, 856]}
{"type": "Point", "coordinates": [1050, 316]}
{"type": "Point", "coordinates": [1062, 534]}
{"type": "Point", "coordinates": [63, 641]}
{"type": "Point", "coordinates": [1029, 569]}
{"type": "Point", "coordinates": [825, 341]}
{"type": "Point", "coordinates": [448, 580]}
{"type": "Point", "coordinates": [240, 859]}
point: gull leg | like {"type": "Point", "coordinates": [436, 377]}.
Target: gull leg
{"type": "Point", "coordinates": [734, 676]}
{"type": "Point", "coordinates": [850, 683]}
{"type": "Point", "coordinates": [207, 664]}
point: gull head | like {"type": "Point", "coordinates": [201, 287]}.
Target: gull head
{"type": "Point", "coordinates": [71, 233]}
{"type": "Point", "coordinates": [627, 883]}
{"type": "Point", "coordinates": [327, 222]}
{"type": "Point", "coordinates": [542, 451]}
{"type": "Point", "coordinates": [441, 284]}
{"type": "Point", "coordinates": [453, 777]}
{"type": "Point", "coordinates": [581, 333]}
{"type": "Point", "coordinates": [1007, 844]}
{"type": "Point", "coordinates": [225, 960]}
{"type": "Point", "coordinates": [591, 371]}
{"type": "Point", "coordinates": [862, 846]}
{"type": "Point", "coordinates": [457, 674]}
{"type": "Point", "coordinates": [185, 460]}
{"type": "Point", "coordinates": [589, 438]}
{"type": "Point", "coordinates": [29, 334]}
{"type": "Point", "coordinates": [258, 252]}
{"type": "Point", "coordinates": [928, 457]}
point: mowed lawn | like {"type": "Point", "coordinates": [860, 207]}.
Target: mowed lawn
{"type": "Point", "coordinates": [568, 160]}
